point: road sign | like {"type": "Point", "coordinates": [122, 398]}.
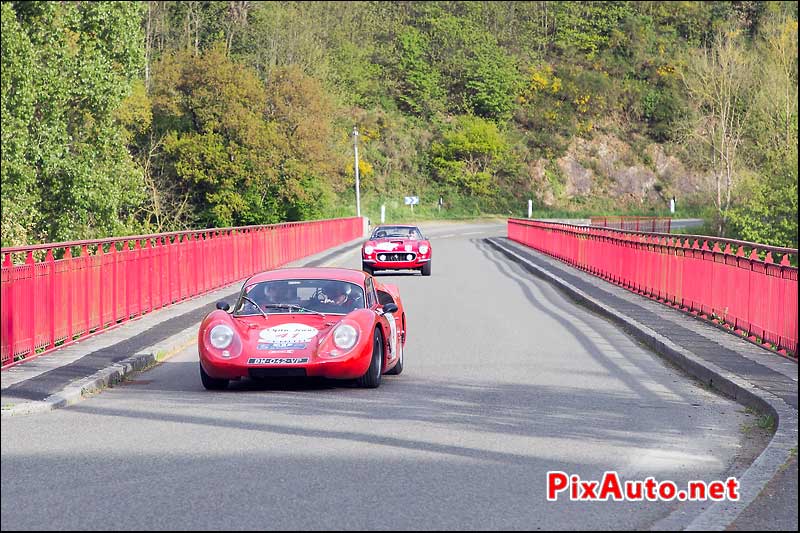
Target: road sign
{"type": "Point", "coordinates": [412, 200]}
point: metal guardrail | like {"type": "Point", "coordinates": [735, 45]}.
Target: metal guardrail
{"type": "Point", "coordinates": [54, 294]}
{"type": "Point", "coordinates": [653, 224]}
{"type": "Point", "coordinates": [746, 287]}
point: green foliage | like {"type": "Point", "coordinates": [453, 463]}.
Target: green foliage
{"type": "Point", "coordinates": [769, 215]}
{"type": "Point", "coordinates": [481, 78]}
{"type": "Point", "coordinates": [19, 213]}
{"type": "Point", "coordinates": [766, 211]}
{"type": "Point", "coordinates": [239, 151]}
{"type": "Point", "coordinates": [273, 37]}
{"type": "Point", "coordinates": [160, 116]}
{"type": "Point", "coordinates": [586, 27]}
{"type": "Point", "coordinates": [419, 85]}
{"type": "Point", "coordinates": [79, 62]}
{"type": "Point", "coordinates": [469, 155]}
{"type": "Point", "coordinates": [491, 82]}
{"type": "Point", "coordinates": [218, 148]}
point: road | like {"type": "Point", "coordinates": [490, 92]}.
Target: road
{"type": "Point", "coordinates": [686, 223]}
{"type": "Point", "coordinates": [505, 379]}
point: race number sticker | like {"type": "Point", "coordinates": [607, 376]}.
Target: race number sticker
{"type": "Point", "coordinates": [393, 336]}
{"type": "Point", "coordinates": [287, 335]}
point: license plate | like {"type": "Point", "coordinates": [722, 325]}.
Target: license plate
{"type": "Point", "coordinates": [277, 360]}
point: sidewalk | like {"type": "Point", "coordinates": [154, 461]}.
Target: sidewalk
{"type": "Point", "coordinates": [64, 376]}
{"type": "Point", "coordinates": [751, 375]}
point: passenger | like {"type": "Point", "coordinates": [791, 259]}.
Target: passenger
{"type": "Point", "coordinates": [275, 293]}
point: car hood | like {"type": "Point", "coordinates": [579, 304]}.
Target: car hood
{"type": "Point", "coordinates": [287, 334]}
{"type": "Point", "coordinates": [396, 245]}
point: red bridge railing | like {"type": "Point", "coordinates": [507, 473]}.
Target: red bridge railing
{"type": "Point", "coordinates": [53, 294]}
{"type": "Point", "coordinates": [745, 287]}
{"type": "Point", "coordinates": [649, 224]}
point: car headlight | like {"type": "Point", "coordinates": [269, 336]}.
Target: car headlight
{"type": "Point", "coordinates": [221, 336]}
{"type": "Point", "coordinates": [423, 249]}
{"type": "Point", "coordinates": [368, 249]}
{"type": "Point", "coordinates": [345, 337]}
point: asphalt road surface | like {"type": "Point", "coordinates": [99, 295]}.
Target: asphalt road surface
{"type": "Point", "coordinates": [505, 379]}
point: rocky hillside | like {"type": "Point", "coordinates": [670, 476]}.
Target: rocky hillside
{"type": "Point", "coordinates": [606, 171]}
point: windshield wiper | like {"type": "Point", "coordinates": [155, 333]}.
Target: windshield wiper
{"type": "Point", "coordinates": [298, 307]}
{"type": "Point", "coordinates": [257, 306]}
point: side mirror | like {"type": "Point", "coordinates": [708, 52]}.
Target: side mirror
{"type": "Point", "coordinates": [390, 308]}
{"type": "Point", "coordinates": [223, 305]}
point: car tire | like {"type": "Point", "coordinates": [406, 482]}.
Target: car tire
{"type": "Point", "coordinates": [372, 377]}
{"type": "Point", "coordinates": [426, 269]}
{"type": "Point", "coordinates": [212, 383]}
{"type": "Point", "coordinates": [398, 368]}
{"type": "Point", "coordinates": [368, 269]}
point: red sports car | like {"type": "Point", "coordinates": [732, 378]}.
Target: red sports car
{"type": "Point", "coordinates": [396, 248]}
{"type": "Point", "coordinates": [330, 322]}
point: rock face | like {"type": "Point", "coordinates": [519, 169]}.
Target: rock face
{"type": "Point", "coordinates": [635, 182]}
{"type": "Point", "coordinates": [543, 190]}
{"type": "Point", "coordinates": [670, 170]}
{"type": "Point", "coordinates": [579, 179]}
{"type": "Point", "coordinates": [607, 168]}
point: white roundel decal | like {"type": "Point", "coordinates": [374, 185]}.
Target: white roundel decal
{"type": "Point", "coordinates": [288, 332]}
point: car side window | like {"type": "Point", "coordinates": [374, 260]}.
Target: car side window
{"type": "Point", "coordinates": [371, 299]}
{"type": "Point", "coordinates": [385, 298]}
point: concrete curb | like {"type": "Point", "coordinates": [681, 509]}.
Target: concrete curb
{"type": "Point", "coordinates": [107, 377]}
{"type": "Point", "coordinates": [719, 515]}
{"type": "Point", "coordinates": [116, 372]}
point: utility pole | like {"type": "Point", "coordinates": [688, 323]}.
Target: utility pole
{"type": "Point", "coordinates": [358, 192]}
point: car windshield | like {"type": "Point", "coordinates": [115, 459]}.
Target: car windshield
{"type": "Point", "coordinates": [300, 296]}
{"type": "Point", "coordinates": [391, 232]}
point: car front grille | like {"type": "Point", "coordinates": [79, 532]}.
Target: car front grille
{"type": "Point", "coordinates": [396, 257]}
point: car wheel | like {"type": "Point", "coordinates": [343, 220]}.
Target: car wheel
{"type": "Point", "coordinates": [426, 269]}
{"type": "Point", "coordinates": [368, 269]}
{"type": "Point", "coordinates": [212, 383]}
{"type": "Point", "coordinates": [372, 377]}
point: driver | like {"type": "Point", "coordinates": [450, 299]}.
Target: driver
{"type": "Point", "coordinates": [339, 294]}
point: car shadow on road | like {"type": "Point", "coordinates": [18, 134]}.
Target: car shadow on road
{"type": "Point", "coordinates": [558, 309]}
{"type": "Point", "coordinates": [404, 409]}
{"type": "Point", "coordinates": [400, 273]}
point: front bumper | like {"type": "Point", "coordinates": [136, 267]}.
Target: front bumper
{"type": "Point", "coordinates": [349, 366]}
{"type": "Point", "coordinates": [395, 265]}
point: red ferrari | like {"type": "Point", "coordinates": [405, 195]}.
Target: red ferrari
{"type": "Point", "coordinates": [396, 248]}
{"type": "Point", "coordinates": [330, 322]}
